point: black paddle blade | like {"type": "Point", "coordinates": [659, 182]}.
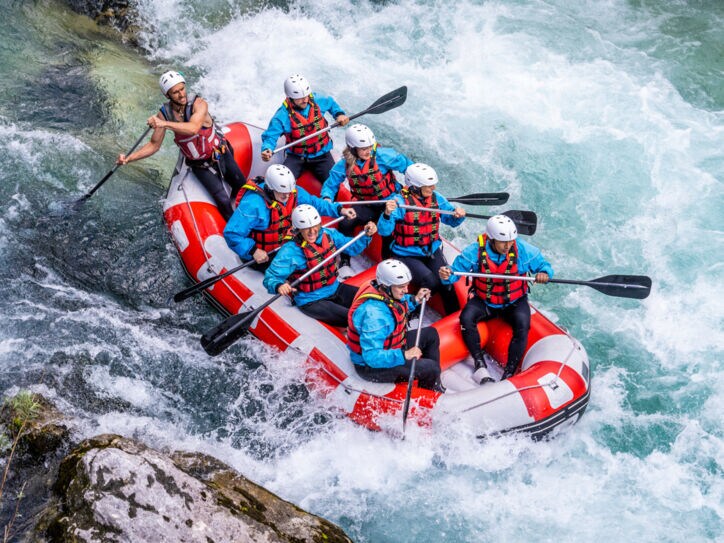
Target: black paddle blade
{"type": "Point", "coordinates": [226, 333]}
{"type": "Point", "coordinates": [389, 101]}
{"type": "Point", "coordinates": [525, 221]}
{"type": "Point", "coordinates": [482, 199]}
{"type": "Point", "coordinates": [623, 286]}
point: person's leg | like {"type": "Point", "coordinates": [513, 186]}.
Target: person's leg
{"type": "Point", "coordinates": [328, 310]}
{"type": "Point", "coordinates": [231, 172]}
{"type": "Point", "coordinates": [364, 215]}
{"type": "Point", "coordinates": [423, 275]}
{"type": "Point", "coordinates": [518, 316]}
{"type": "Point", "coordinates": [345, 295]}
{"type": "Point", "coordinates": [429, 342]}
{"type": "Point", "coordinates": [320, 166]}
{"type": "Point", "coordinates": [215, 187]}
{"type": "Point", "coordinates": [427, 368]}
{"type": "Point", "coordinates": [427, 373]}
{"type": "Point", "coordinates": [447, 292]}
{"type": "Point", "coordinates": [474, 311]}
{"type": "Point", "coordinates": [295, 163]}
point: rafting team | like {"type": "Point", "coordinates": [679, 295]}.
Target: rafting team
{"type": "Point", "coordinates": [278, 225]}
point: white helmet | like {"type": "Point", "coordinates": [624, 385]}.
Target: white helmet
{"type": "Point", "coordinates": [305, 216]}
{"type": "Point", "coordinates": [420, 175]}
{"type": "Point", "coordinates": [501, 228]}
{"type": "Point", "coordinates": [393, 272]}
{"type": "Point", "coordinates": [297, 86]}
{"type": "Point", "coordinates": [359, 135]}
{"type": "Point", "coordinates": [280, 178]}
{"type": "Point", "coordinates": [169, 80]}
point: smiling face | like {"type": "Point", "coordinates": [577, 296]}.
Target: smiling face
{"type": "Point", "coordinates": [427, 191]}
{"type": "Point", "coordinates": [310, 234]}
{"type": "Point", "coordinates": [364, 153]}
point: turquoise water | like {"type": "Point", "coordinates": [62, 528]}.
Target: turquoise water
{"type": "Point", "coordinates": [606, 118]}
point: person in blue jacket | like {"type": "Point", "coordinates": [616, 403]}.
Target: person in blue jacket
{"type": "Point", "coordinates": [369, 171]}
{"type": "Point", "coordinates": [498, 251]}
{"type": "Point", "coordinates": [381, 347]}
{"type": "Point", "coordinates": [321, 295]}
{"type": "Point", "coordinates": [415, 233]}
{"type": "Point", "coordinates": [262, 219]}
{"type": "Point", "coordinates": [301, 114]}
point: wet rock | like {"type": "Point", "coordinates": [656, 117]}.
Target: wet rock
{"type": "Point", "coordinates": [119, 14]}
{"type": "Point", "coordinates": [37, 437]}
{"type": "Point", "coordinates": [115, 489]}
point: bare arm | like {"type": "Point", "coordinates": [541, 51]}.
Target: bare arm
{"type": "Point", "coordinates": [190, 128]}
{"type": "Point", "coordinates": [146, 150]}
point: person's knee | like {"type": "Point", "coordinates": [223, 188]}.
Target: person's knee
{"type": "Point", "coordinates": [428, 368]}
{"type": "Point", "coordinates": [433, 337]}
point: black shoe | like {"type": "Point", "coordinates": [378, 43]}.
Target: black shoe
{"type": "Point", "coordinates": [484, 376]}
{"type": "Point", "coordinates": [509, 371]}
{"type": "Point", "coordinates": [438, 387]}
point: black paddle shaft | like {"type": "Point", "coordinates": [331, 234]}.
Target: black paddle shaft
{"type": "Point", "coordinates": [389, 101]}
{"type": "Point", "coordinates": [113, 170]}
{"type": "Point", "coordinates": [623, 286]}
{"type": "Point", "coordinates": [221, 337]}
{"type": "Point", "coordinates": [411, 378]}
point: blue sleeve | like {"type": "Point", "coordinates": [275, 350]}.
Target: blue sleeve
{"type": "Point", "coordinates": [328, 209]}
{"type": "Point", "coordinates": [467, 261]}
{"type": "Point", "coordinates": [411, 302]}
{"type": "Point", "coordinates": [530, 259]}
{"type": "Point", "coordinates": [337, 175]}
{"type": "Point", "coordinates": [447, 206]}
{"type": "Point", "coordinates": [389, 159]}
{"type": "Point", "coordinates": [340, 239]}
{"type": "Point", "coordinates": [327, 104]}
{"type": "Point", "coordinates": [375, 322]}
{"type": "Point", "coordinates": [251, 214]}
{"type": "Point", "coordinates": [278, 125]}
{"type": "Point", "coordinates": [288, 260]}
{"type": "Point", "coordinates": [386, 226]}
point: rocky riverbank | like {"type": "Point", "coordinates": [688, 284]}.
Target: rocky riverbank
{"type": "Point", "coordinates": [112, 488]}
{"type": "Point", "coordinates": [119, 14]}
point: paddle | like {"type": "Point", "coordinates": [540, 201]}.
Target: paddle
{"type": "Point", "coordinates": [203, 285]}
{"type": "Point", "coordinates": [389, 101]}
{"type": "Point", "coordinates": [112, 171]}
{"type": "Point", "coordinates": [525, 221]}
{"type": "Point", "coordinates": [623, 286]}
{"type": "Point", "coordinates": [406, 406]}
{"type": "Point", "coordinates": [476, 199]}
{"type": "Point", "coordinates": [220, 338]}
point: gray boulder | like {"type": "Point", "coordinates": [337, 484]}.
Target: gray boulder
{"type": "Point", "coordinates": [111, 488]}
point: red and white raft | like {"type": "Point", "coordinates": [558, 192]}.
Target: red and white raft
{"type": "Point", "coordinates": [551, 390]}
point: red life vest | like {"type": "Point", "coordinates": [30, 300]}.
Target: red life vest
{"type": "Point", "coordinates": [200, 146]}
{"type": "Point", "coordinates": [417, 227]}
{"type": "Point", "coordinates": [280, 217]}
{"type": "Point", "coordinates": [498, 291]}
{"type": "Point", "coordinates": [302, 126]}
{"type": "Point", "coordinates": [316, 253]}
{"type": "Point", "coordinates": [370, 291]}
{"type": "Point", "coordinates": [368, 183]}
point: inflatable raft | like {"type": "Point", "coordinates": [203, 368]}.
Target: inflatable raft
{"type": "Point", "coordinates": [550, 391]}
